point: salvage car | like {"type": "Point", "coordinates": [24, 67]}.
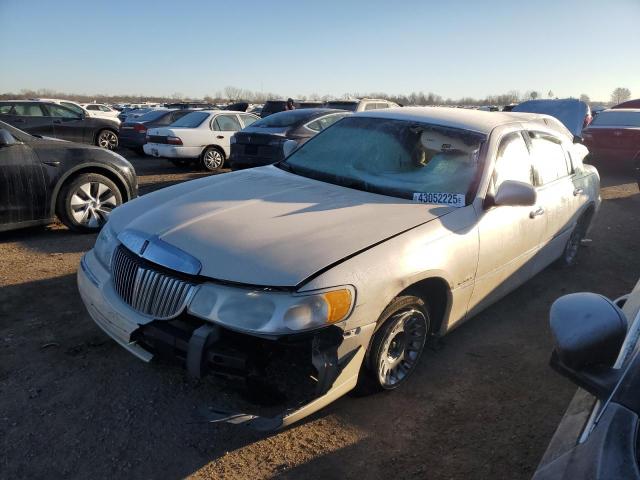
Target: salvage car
{"type": "Point", "coordinates": [54, 120]}
{"type": "Point", "coordinates": [613, 139]}
{"type": "Point", "coordinates": [596, 347]}
{"type": "Point", "coordinates": [332, 268]}
{"type": "Point", "coordinates": [203, 136]}
{"type": "Point", "coordinates": [263, 142]}
{"type": "Point", "coordinates": [361, 104]}
{"type": "Point", "coordinates": [43, 178]}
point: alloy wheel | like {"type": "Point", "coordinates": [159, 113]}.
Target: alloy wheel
{"type": "Point", "coordinates": [401, 347]}
{"type": "Point", "coordinates": [91, 204]}
{"type": "Point", "coordinates": [213, 160]}
{"type": "Point", "coordinates": [108, 139]}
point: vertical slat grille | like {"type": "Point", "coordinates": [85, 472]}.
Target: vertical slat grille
{"type": "Point", "coordinates": [149, 291]}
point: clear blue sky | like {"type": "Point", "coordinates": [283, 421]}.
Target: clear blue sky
{"type": "Point", "coordinates": [453, 48]}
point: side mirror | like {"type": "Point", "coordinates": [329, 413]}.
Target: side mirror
{"type": "Point", "coordinates": [6, 139]}
{"type": "Point", "coordinates": [289, 147]}
{"type": "Point", "coordinates": [513, 193]}
{"type": "Point", "coordinates": [588, 332]}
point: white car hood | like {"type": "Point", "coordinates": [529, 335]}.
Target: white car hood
{"type": "Point", "coordinates": [267, 227]}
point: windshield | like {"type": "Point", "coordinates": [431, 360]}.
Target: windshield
{"type": "Point", "coordinates": [617, 118]}
{"type": "Point", "coordinates": [351, 106]}
{"type": "Point", "coordinates": [190, 120]}
{"type": "Point", "coordinates": [152, 115]}
{"type": "Point", "coordinates": [283, 119]}
{"type": "Point", "coordinates": [417, 161]}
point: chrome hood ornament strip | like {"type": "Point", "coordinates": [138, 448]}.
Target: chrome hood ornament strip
{"type": "Point", "coordinates": [152, 248]}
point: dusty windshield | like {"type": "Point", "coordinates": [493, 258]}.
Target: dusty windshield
{"type": "Point", "coordinates": [418, 161]}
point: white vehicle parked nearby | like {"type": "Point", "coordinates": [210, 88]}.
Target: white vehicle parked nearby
{"type": "Point", "coordinates": [100, 110]}
{"type": "Point", "coordinates": [202, 136]}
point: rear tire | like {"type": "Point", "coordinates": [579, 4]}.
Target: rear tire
{"type": "Point", "coordinates": [396, 346]}
{"type": "Point", "coordinates": [570, 254]}
{"type": "Point", "coordinates": [212, 159]}
{"type": "Point", "coordinates": [85, 202]}
{"type": "Point", "coordinates": [107, 139]}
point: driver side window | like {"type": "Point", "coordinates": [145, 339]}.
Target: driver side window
{"type": "Point", "coordinates": [512, 161]}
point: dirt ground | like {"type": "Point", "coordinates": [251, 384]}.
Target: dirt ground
{"type": "Point", "coordinates": [483, 404]}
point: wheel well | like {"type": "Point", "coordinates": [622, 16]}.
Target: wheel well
{"type": "Point", "coordinates": [436, 294]}
{"type": "Point", "coordinates": [90, 169]}
{"type": "Point", "coordinates": [217, 147]}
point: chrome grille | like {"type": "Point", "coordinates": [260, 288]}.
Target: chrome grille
{"type": "Point", "coordinates": [146, 289]}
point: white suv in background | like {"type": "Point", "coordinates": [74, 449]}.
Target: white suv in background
{"type": "Point", "coordinates": [202, 136]}
{"type": "Point", "coordinates": [100, 110]}
{"type": "Point", "coordinates": [361, 104]}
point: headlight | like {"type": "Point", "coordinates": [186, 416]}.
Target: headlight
{"type": "Point", "coordinates": [105, 245]}
{"type": "Point", "coordinates": [261, 311]}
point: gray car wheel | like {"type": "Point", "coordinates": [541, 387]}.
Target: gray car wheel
{"type": "Point", "coordinates": [397, 345]}
{"type": "Point", "coordinates": [570, 253]}
{"type": "Point", "coordinates": [84, 203]}
{"type": "Point", "coordinates": [212, 159]}
{"type": "Point", "coordinates": [107, 139]}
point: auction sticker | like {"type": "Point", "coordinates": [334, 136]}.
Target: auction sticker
{"type": "Point", "coordinates": [452, 199]}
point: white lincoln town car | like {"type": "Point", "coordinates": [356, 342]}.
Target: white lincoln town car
{"type": "Point", "coordinates": [330, 270]}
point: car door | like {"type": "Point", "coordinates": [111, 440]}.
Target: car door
{"type": "Point", "coordinates": [67, 124]}
{"type": "Point", "coordinates": [30, 117]}
{"type": "Point", "coordinates": [557, 197]}
{"type": "Point", "coordinates": [23, 185]}
{"type": "Point", "coordinates": [509, 236]}
{"type": "Point", "coordinates": [224, 126]}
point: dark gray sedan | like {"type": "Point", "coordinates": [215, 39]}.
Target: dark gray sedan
{"type": "Point", "coordinates": [262, 143]}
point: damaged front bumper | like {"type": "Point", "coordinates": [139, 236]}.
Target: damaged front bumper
{"type": "Point", "coordinates": [318, 367]}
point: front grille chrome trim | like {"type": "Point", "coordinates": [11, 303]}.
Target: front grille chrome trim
{"type": "Point", "coordinates": [148, 289]}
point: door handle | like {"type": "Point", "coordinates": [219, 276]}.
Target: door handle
{"type": "Point", "coordinates": [577, 191]}
{"type": "Point", "coordinates": [52, 163]}
{"type": "Point", "coordinates": [537, 212]}
{"type": "Point", "coordinates": [57, 121]}
{"type": "Point", "coordinates": [220, 137]}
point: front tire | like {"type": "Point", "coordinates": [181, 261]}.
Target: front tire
{"type": "Point", "coordinates": [397, 345]}
{"type": "Point", "coordinates": [107, 139]}
{"type": "Point", "coordinates": [212, 159]}
{"type": "Point", "coordinates": [85, 202]}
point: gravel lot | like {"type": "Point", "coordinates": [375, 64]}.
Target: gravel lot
{"type": "Point", "coordinates": [483, 403]}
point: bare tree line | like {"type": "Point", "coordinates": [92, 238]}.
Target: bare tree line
{"type": "Point", "coordinates": [232, 93]}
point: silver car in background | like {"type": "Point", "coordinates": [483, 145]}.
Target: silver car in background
{"type": "Point", "coordinates": [386, 228]}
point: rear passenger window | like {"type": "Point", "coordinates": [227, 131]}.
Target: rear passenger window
{"type": "Point", "coordinates": [549, 160]}
{"type": "Point", "coordinates": [371, 106]}
{"type": "Point", "coordinates": [248, 120]}
{"type": "Point", "coordinates": [513, 161]}
{"type": "Point", "coordinates": [28, 110]}
{"type": "Point", "coordinates": [382, 105]}
{"type": "Point", "coordinates": [226, 123]}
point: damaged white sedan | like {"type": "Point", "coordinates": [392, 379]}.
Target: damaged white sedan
{"type": "Point", "coordinates": [331, 269]}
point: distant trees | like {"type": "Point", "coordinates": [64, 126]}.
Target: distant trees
{"type": "Point", "coordinates": [620, 95]}
{"type": "Point", "coordinates": [550, 94]}
{"type": "Point", "coordinates": [533, 95]}
{"type": "Point", "coordinates": [585, 98]}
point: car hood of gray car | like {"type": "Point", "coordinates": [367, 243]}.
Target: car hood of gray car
{"type": "Point", "coordinates": [268, 227]}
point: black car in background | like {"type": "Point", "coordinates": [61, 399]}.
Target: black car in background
{"type": "Point", "coordinates": [262, 143]}
{"type": "Point", "coordinates": [133, 134]}
{"type": "Point", "coordinates": [41, 178]}
{"type": "Point", "coordinates": [274, 106]}
{"type": "Point", "coordinates": [49, 119]}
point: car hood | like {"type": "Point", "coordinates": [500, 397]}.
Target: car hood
{"type": "Point", "coordinates": [570, 112]}
{"type": "Point", "coordinates": [268, 227]}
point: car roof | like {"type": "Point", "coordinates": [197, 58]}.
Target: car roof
{"type": "Point", "coordinates": [620, 110]}
{"type": "Point", "coordinates": [477, 120]}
